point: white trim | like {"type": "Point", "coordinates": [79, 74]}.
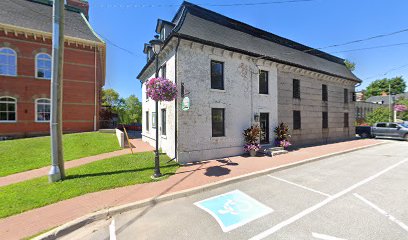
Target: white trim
{"type": "Point", "coordinates": [36, 113]}
{"type": "Point", "coordinates": [35, 60]}
{"type": "Point", "coordinates": [92, 30]}
{"type": "Point", "coordinates": [15, 61]}
{"type": "Point", "coordinates": [15, 109]}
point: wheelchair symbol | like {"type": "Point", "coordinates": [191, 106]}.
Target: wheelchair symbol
{"type": "Point", "coordinates": [234, 207]}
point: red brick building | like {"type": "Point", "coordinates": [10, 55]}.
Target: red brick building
{"type": "Point", "coordinates": [25, 68]}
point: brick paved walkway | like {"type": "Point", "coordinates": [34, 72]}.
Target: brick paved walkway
{"type": "Point", "coordinates": [37, 220]}
{"type": "Point", "coordinates": [139, 146]}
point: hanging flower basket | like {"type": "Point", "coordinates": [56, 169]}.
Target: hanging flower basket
{"type": "Point", "coordinates": [161, 89]}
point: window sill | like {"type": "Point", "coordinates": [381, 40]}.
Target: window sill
{"type": "Point", "coordinates": [8, 121]}
{"type": "Point", "coordinates": [215, 138]}
{"type": "Point", "coordinates": [5, 75]}
{"type": "Point", "coordinates": [163, 136]}
{"type": "Point", "coordinates": [48, 79]}
{"type": "Point", "coordinates": [42, 121]}
{"type": "Point", "coordinates": [217, 90]}
{"type": "Point", "coordinates": [264, 94]}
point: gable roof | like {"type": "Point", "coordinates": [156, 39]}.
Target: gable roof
{"type": "Point", "coordinates": [202, 25]}
{"type": "Point", "coordinates": [386, 99]}
{"type": "Point", "coordinates": [37, 15]}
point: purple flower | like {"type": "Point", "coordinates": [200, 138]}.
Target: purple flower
{"type": "Point", "coordinates": [160, 89]}
{"type": "Point", "coordinates": [251, 146]}
{"type": "Point", "coordinates": [400, 108]}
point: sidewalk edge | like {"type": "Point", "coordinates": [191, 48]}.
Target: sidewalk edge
{"type": "Point", "coordinates": [107, 213]}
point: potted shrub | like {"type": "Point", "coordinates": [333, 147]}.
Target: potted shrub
{"type": "Point", "coordinates": [251, 136]}
{"type": "Point", "coordinates": [282, 136]}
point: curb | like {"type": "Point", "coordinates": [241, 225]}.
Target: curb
{"type": "Point", "coordinates": [107, 213]}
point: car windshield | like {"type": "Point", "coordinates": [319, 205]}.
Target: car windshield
{"type": "Point", "coordinates": [405, 125]}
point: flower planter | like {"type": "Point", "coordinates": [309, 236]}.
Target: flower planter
{"type": "Point", "coordinates": [252, 153]}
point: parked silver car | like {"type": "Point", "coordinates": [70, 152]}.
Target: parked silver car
{"type": "Point", "coordinates": [391, 130]}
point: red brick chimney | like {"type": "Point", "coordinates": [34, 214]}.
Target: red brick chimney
{"type": "Point", "coordinates": [82, 5]}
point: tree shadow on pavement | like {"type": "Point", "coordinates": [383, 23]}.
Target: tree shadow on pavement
{"type": "Point", "coordinates": [217, 171]}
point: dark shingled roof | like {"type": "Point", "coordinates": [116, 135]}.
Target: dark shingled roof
{"type": "Point", "coordinates": [386, 99]}
{"type": "Point", "coordinates": [202, 25]}
{"type": "Point", "coordinates": [37, 15]}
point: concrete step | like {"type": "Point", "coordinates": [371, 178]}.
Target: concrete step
{"type": "Point", "coordinates": [274, 153]}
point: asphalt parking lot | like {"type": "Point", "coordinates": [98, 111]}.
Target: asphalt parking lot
{"type": "Point", "coordinates": [358, 195]}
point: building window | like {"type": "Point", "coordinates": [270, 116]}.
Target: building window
{"type": "Point", "coordinates": [163, 71]}
{"type": "Point", "coordinates": [147, 121]}
{"type": "Point", "coordinates": [325, 94]}
{"type": "Point", "coordinates": [218, 128]}
{"type": "Point", "coordinates": [217, 75]}
{"type": "Point", "coordinates": [8, 109]}
{"type": "Point", "coordinates": [153, 120]}
{"type": "Point", "coordinates": [296, 89]}
{"type": "Point", "coordinates": [346, 95]}
{"type": "Point", "coordinates": [346, 120]}
{"type": "Point", "coordinates": [42, 110]}
{"type": "Point", "coordinates": [297, 120]}
{"type": "Point", "coordinates": [163, 122]}
{"type": "Point", "coordinates": [8, 62]}
{"type": "Point", "coordinates": [43, 66]}
{"type": "Point", "coordinates": [325, 120]}
{"type": "Point", "coordinates": [263, 82]}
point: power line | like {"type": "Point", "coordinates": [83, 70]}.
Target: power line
{"type": "Point", "coordinates": [202, 4]}
{"type": "Point", "coordinates": [73, 27]}
{"type": "Point", "coordinates": [390, 70]}
{"type": "Point", "coordinates": [374, 47]}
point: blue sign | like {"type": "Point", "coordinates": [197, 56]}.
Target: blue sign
{"type": "Point", "coordinates": [233, 209]}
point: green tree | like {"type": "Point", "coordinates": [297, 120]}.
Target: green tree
{"type": "Point", "coordinates": [403, 115]}
{"type": "Point", "coordinates": [130, 110]}
{"type": "Point", "coordinates": [381, 114]}
{"type": "Point", "coordinates": [110, 98]}
{"type": "Point", "coordinates": [377, 87]}
{"type": "Point", "coordinates": [350, 65]}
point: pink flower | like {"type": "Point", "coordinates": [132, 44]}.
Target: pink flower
{"type": "Point", "coordinates": [249, 147]}
{"type": "Point", "coordinates": [160, 89]}
{"type": "Point", "coordinates": [400, 108]}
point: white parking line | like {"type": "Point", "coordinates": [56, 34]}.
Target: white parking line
{"type": "Point", "coordinates": [301, 186]}
{"type": "Point", "coordinates": [307, 211]}
{"type": "Point", "coordinates": [325, 237]}
{"type": "Point", "coordinates": [112, 230]}
{"type": "Point", "coordinates": [386, 214]}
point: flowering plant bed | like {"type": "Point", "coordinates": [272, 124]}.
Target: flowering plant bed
{"type": "Point", "coordinates": [251, 136]}
{"type": "Point", "coordinates": [282, 136]}
{"type": "Point", "coordinates": [161, 89]}
{"type": "Point", "coordinates": [251, 147]}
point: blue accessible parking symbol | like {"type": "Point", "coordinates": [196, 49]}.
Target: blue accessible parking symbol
{"type": "Point", "coordinates": [233, 209]}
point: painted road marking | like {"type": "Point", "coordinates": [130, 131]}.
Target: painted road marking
{"type": "Point", "coordinates": [383, 212]}
{"type": "Point", "coordinates": [307, 211]}
{"type": "Point", "coordinates": [112, 230]}
{"type": "Point", "coordinates": [298, 185]}
{"type": "Point", "coordinates": [326, 237]}
{"type": "Point", "coordinates": [233, 209]}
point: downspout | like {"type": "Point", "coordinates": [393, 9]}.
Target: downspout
{"type": "Point", "coordinates": [175, 101]}
{"type": "Point", "coordinates": [95, 103]}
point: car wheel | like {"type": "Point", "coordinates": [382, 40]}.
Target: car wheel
{"type": "Point", "coordinates": [406, 137]}
{"type": "Point", "coordinates": [364, 135]}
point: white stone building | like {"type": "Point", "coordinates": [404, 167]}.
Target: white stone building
{"type": "Point", "coordinates": [236, 75]}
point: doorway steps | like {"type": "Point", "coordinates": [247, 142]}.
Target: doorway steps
{"type": "Point", "coordinates": [273, 151]}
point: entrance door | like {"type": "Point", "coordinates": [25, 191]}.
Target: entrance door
{"type": "Point", "coordinates": [264, 124]}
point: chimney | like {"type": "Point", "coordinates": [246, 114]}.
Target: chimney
{"type": "Point", "coordinates": [82, 5]}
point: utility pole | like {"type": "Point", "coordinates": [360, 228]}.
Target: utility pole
{"type": "Point", "coordinates": [57, 171]}
{"type": "Point", "coordinates": [390, 102]}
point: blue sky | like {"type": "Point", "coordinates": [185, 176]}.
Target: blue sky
{"type": "Point", "coordinates": [317, 23]}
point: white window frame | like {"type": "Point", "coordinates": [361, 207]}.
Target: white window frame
{"type": "Point", "coordinates": [15, 61]}
{"type": "Point", "coordinates": [36, 108]}
{"type": "Point", "coordinates": [36, 67]}
{"type": "Point", "coordinates": [15, 109]}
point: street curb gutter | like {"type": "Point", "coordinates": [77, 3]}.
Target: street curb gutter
{"type": "Point", "coordinates": [107, 213]}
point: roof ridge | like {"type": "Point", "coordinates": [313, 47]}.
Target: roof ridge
{"type": "Point", "coordinates": [257, 32]}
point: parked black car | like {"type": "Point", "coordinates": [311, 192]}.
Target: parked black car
{"type": "Point", "coordinates": [364, 131]}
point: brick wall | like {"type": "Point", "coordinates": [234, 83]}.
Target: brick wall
{"type": "Point", "coordinates": [78, 86]}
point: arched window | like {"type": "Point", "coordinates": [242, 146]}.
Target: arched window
{"type": "Point", "coordinates": [8, 109]}
{"type": "Point", "coordinates": [43, 66]}
{"type": "Point", "coordinates": [42, 110]}
{"type": "Point", "coordinates": [8, 62]}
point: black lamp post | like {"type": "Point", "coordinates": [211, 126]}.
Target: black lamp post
{"type": "Point", "coordinates": [156, 45]}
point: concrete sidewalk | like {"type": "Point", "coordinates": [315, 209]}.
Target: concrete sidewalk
{"type": "Point", "coordinates": [187, 177]}
{"type": "Point", "coordinates": [138, 146]}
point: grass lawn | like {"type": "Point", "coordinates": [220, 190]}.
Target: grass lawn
{"type": "Point", "coordinates": [93, 177]}
{"type": "Point", "coordinates": [30, 153]}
